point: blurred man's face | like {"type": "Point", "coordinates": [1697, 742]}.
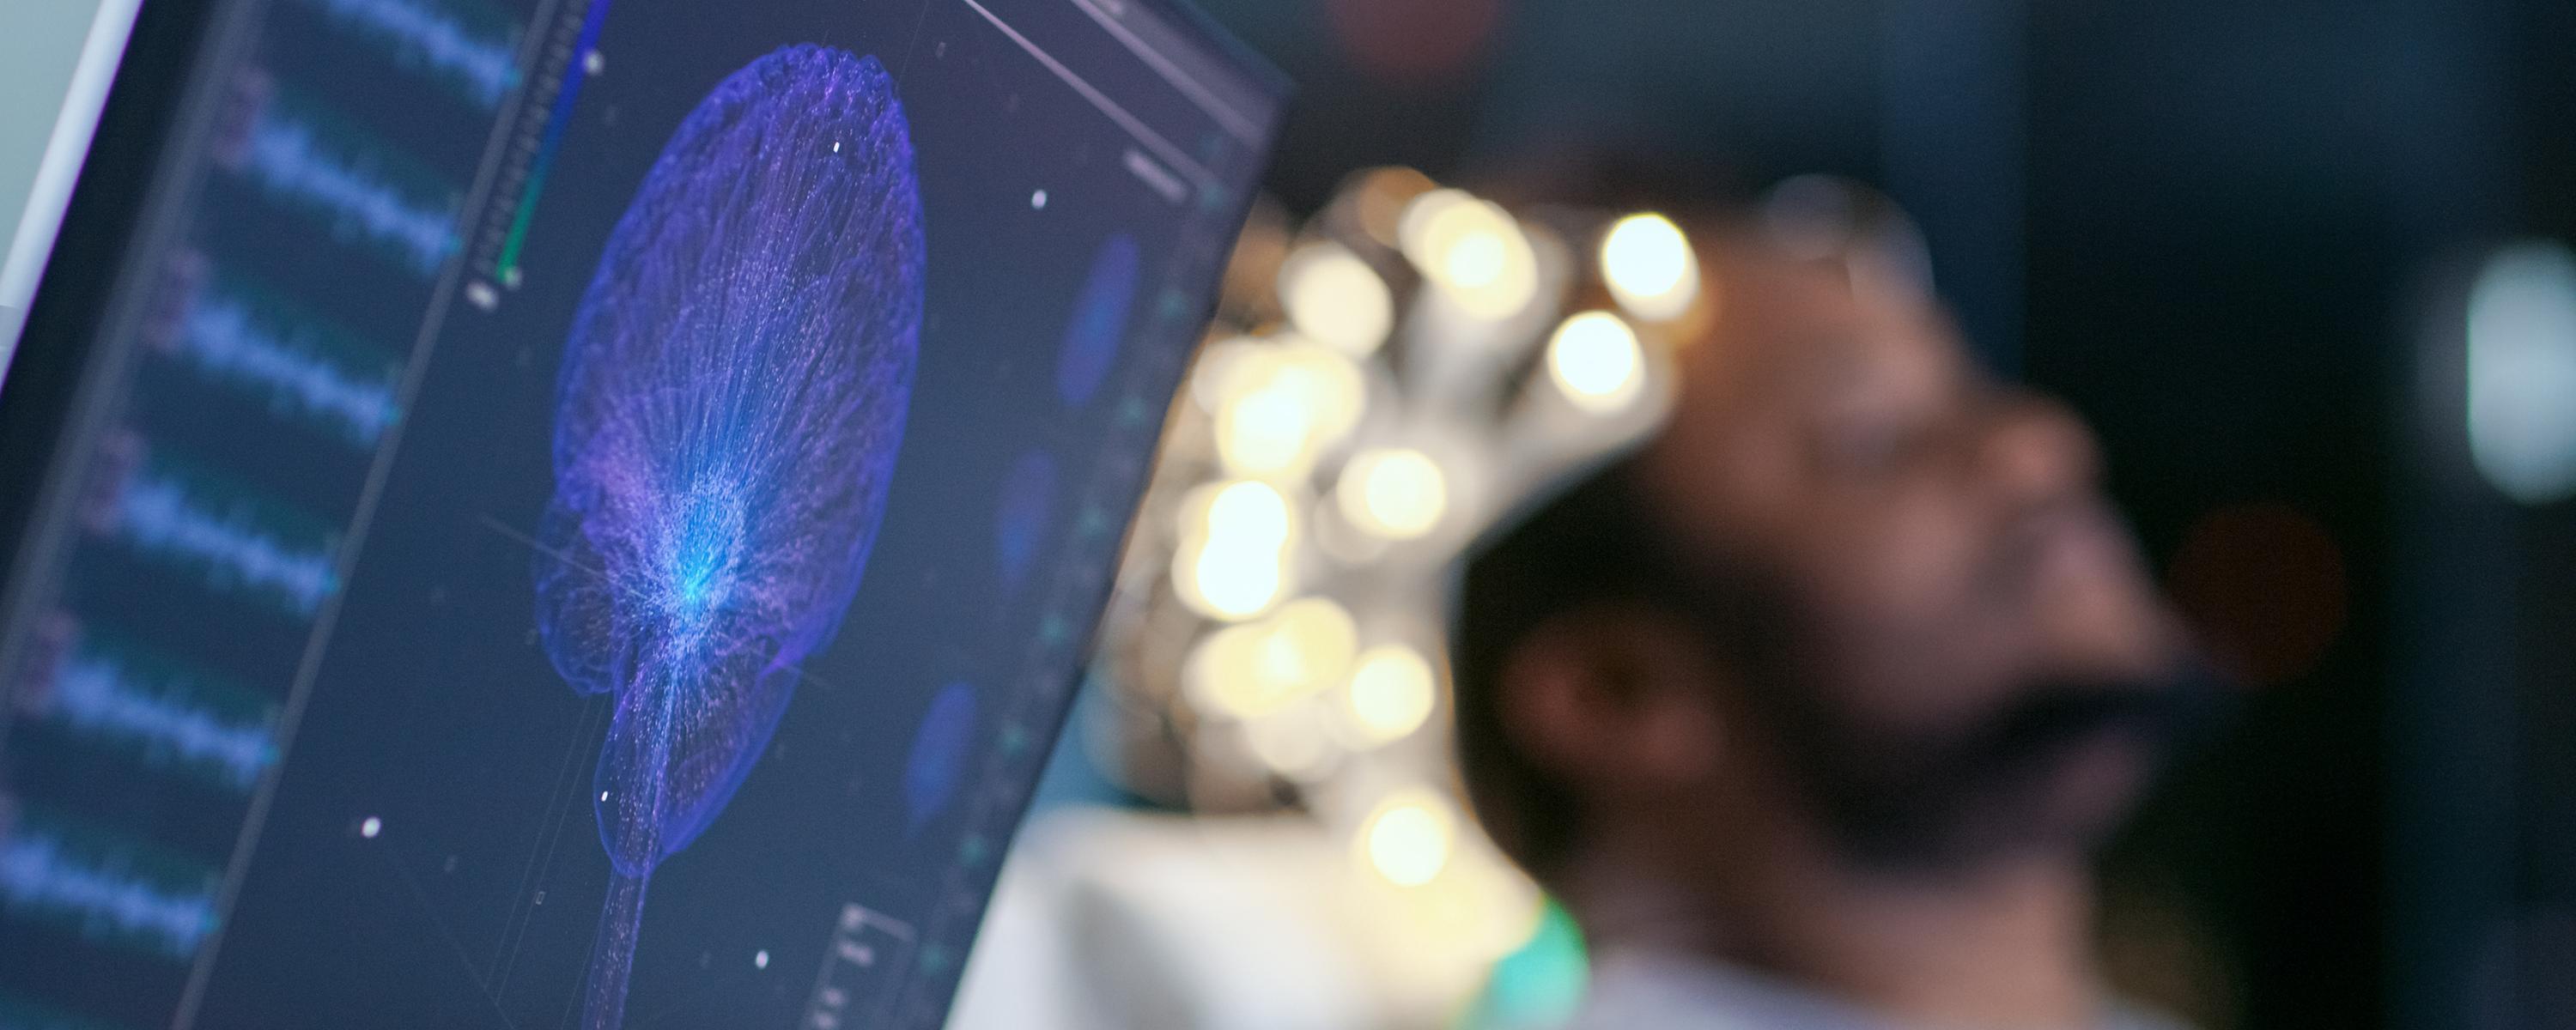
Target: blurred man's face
{"type": "Point", "coordinates": [1974, 657]}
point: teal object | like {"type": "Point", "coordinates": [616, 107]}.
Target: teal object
{"type": "Point", "coordinates": [1537, 986]}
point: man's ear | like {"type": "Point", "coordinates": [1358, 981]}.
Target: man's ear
{"type": "Point", "coordinates": [1617, 699]}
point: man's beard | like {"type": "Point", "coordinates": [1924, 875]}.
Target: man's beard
{"type": "Point", "coordinates": [1932, 801]}
{"type": "Point", "coordinates": [1927, 800]}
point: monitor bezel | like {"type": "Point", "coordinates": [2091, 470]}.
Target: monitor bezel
{"type": "Point", "coordinates": [87, 286]}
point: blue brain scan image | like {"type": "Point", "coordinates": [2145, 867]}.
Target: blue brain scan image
{"type": "Point", "coordinates": [727, 418]}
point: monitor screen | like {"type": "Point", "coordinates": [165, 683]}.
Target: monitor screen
{"type": "Point", "coordinates": [571, 513]}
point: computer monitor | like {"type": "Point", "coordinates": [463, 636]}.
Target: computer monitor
{"type": "Point", "coordinates": [543, 513]}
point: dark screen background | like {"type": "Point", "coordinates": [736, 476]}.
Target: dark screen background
{"type": "Point", "coordinates": [437, 713]}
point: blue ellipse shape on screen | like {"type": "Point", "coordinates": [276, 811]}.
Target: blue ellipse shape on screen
{"type": "Point", "coordinates": [1020, 525]}
{"type": "Point", "coordinates": [939, 747]}
{"type": "Point", "coordinates": [1099, 321]}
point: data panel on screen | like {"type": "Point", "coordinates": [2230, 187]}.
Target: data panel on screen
{"type": "Point", "coordinates": [590, 514]}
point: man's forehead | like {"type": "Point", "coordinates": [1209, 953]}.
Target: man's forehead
{"type": "Point", "coordinates": [1785, 327]}
{"type": "Point", "coordinates": [1790, 342]}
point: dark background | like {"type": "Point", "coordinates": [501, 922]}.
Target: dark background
{"type": "Point", "coordinates": [2235, 235]}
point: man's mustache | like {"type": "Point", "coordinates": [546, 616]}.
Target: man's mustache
{"type": "Point", "coordinates": [1900, 808]}
{"type": "Point", "coordinates": [2022, 735]}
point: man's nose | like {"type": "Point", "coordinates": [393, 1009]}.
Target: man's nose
{"type": "Point", "coordinates": [2035, 448]}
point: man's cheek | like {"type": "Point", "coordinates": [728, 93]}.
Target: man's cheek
{"type": "Point", "coordinates": [1920, 668]}
{"type": "Point", "coordinates": [1903, 571]}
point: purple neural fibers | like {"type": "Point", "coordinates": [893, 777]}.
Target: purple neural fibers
{"type": "Point", "coordinates": [726, 421]}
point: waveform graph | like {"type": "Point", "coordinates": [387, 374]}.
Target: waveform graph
{"type": "Point", "coordinates": [234, 543]}
{"type": "Point", "coordinates": [465, 48]}
{"type": "Point", "coordinates": [102, 888]}
{"type": "Point", "coordinates": [125, 698]}
{"type": "Point", "coordinates": [236, 335]}
{"type": "Point", "coordinates": [362, 191]}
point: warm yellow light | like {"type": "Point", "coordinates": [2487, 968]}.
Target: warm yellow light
{"type": "Point", "coordinates": [1392, 691]}
{"type": "Point", "coordinates": [1223, 674]}
{"type": "Point", "coordinates": [1329, 383]}
{"type": "Point", "coordinates": [1232, 562]}
{"type": "Point", "coordinates": [1475, 258]}
{"type": "Point", "coordinates": [1650, 267]}
{"type": "Point", "coordinates": [1409, 837]}
{"type": "Point", "coordinates": [1413, 228]}
{"type": "Point", "coordinates": [1264, 432]}
{"type": "Point", "coordinates": [1258, 669]}
{"type": "Point", "coordinates": [1595, 360]}
{"type": "Point", "coordinates": [1279, 406]}
{"type": "Point", "coordinates": [1335, 298]}
{"type": "Point", "coordinates": [1229, 582]}
{"type": "Point", "coordinates": [1397, 493]}
{"type": "Point", "coordinates": [1473, 250]}
{"type": "Point", "coordinates": [1222, 369]}
{"type": "Point", "coordinates": [1307, 646]}
{"type": "Point", "coordinates": [1249, 513]}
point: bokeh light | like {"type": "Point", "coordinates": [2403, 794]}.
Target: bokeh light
{"type": "Point", "coordinates": [2264, 584]}
{"type": "Point", "coordinates": [1334, 298]}
{"type": "Point", "coordinates": [2522, 372]}
{"type": "Point", "coordinates": [1396, 492]}
{"type": "Point", "coordinates": [1473, 250]}
{"type": "Point", "coordinates": [1277, 407]}
{"type": "Point", "coordinates": [1230, 583]}
{"type": "Point", "coordinates": [1308, 645]}
{"type": "Point", "coordinates": [1409, 837]}
{"type": "Point", "coordinates": [1354, 416]}
{"type": "Point", "coordinates": [1649, 267]}
{"type": "Point", "coordinates": [1222, 673]}
{"type": "Point", "coordinates": [1391, 694]}
{"type": "Point", "coordinates": [1595, 360]}
{"type": "Point", "coordinates": [1216, 376]}
{"type": "Point", "coordinates": [1259, 669]}
{"type": "Point", "coordinates": [1232, 562]}
{"type": "Point", "coordinates": [1254, 513]}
